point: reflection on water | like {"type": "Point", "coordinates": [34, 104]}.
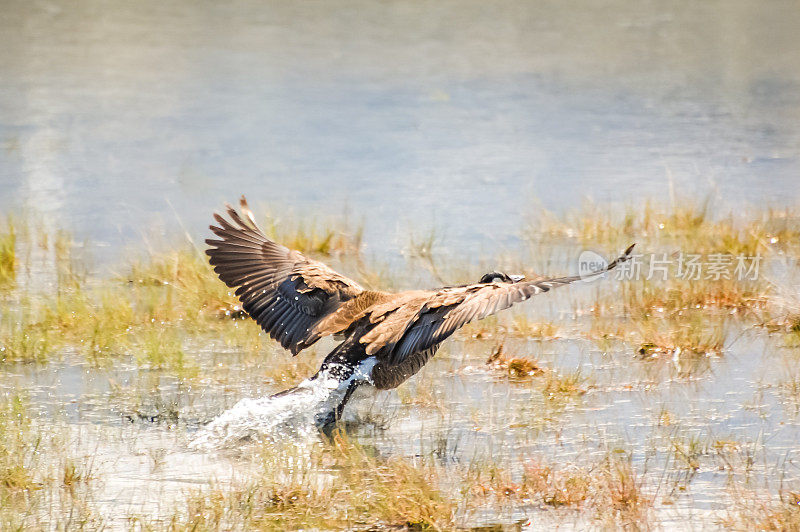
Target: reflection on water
{"type": "Point", "coordinates": [410, 112]}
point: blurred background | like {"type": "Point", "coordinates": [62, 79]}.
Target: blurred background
{"type": "Point", "coordinates": [116, 117]}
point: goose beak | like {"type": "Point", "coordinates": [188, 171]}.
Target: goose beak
{"type": "Point", "coordinates": [516, 278]}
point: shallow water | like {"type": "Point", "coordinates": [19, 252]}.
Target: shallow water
{"type": "Point", "coordinates": [124, 122]}
{"type": "Point", "coordinates": [114, 119]}
{"type": "Point", "coordinates": [147, 462]}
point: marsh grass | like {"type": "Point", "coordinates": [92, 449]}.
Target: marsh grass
{"type": "Point", "coordinates": [180, 286]}
{"type": "Point", "coordinates": [793, 334]}
{"type": "Point", "coordinates": [687, 453]}
{"type": "Point", "coordinates": [344, 485]}
{"type": "Point", "coordinates": [145, 312]}
{"type": "Point", "coordinates": [684, 222]}
{"type": "Point", "coordinates": [15, 427]}
{"type": "Point", "coordinates": [19, 486]}
{"type": "Point", "coordinates": [691, 334]}
{"type": "Point", "coordinates": [514, 367]}
{"type": "Point", "coordinates": [423, 246]}
{"type": "Point", "coordinates": [755, 510]}
{"type": "Point", "coordinates": [522, 326]}
{"type": "Point", "coordinates": [336, 485]}
{"type": "Point", "coordinates": [671, 234]}
{"type": "Point", "coordinates": [24, 338]}
{"type": "Point", "coordinates": [42, 487]}
{"type": "Point", "coordinates": [166, 310]}
{"type": "Point", "coordinates": [489, 327]}
{"type": "Point", "coordinates": [646, 297]}
{"type": "Point", "coordinates": [163, 349]}
{"type": "Point", "coordinates": [609, 488]}
{"type": "Point", "coordinates": [673, 312]}
{"type": "Point", "coordinates": [788, 383]}
{"type": "Point", "coordinates": [8, 255]}
{"type": "Point", "coordinates": [332, 236]}
{"type": "Point", "coordinates": [556, 386]}
{"type": "Point", "coordinates": [675, 318]}
{"type": "Point", "coordinates": [424, 394]}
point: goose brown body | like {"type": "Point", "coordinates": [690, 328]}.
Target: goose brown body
{"type": "Point", "coordinates": [297, 301]}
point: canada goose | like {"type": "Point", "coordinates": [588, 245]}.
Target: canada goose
{"type": "Point", "coordinates": [387, 337]}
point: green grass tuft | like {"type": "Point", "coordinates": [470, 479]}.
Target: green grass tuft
{"type": "Point", "coordinates": [8, 256]}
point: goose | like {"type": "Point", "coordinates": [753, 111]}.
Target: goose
{"type": "Point", "coordinates": [386, 337]}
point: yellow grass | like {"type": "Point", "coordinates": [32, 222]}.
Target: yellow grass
{"type": "Point", "coordinates": [8, 255]}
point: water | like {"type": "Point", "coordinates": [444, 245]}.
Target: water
{"type": "Point", "coordinates": [297, 414]}
{"type": "Point", "coordinates": [114, 120]}
{"type": "Point", "coordinates": [473, 415]}
{"type": "Point", "coordinates": [127, 120]}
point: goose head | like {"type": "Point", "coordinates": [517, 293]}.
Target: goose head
{"type": "Point", "coordinates": [500, 277]}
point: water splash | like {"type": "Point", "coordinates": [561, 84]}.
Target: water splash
{"type": "Point", "coordinates": [294, 414]}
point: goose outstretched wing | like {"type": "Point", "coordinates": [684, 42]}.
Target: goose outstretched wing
{"type": "Point", "coordinates": [285, 292]}
{"type": "Point", "coordinates": [448, 309]}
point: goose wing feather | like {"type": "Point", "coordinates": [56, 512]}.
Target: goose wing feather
{"type": "Point", "coordinates": [451, 308]}
{"type": "Point", "coordinates": [285, 292]}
